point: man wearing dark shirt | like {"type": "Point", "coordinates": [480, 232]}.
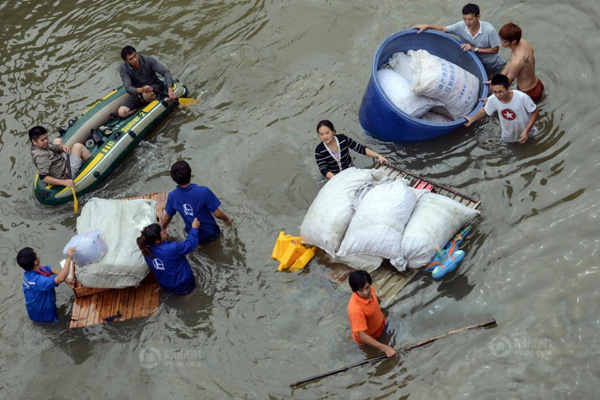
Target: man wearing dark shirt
{"type": "Point", "coordinates": [138, 73]}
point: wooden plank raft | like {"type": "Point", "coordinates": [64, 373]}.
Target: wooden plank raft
{"type": "Point", "coordinates": [100, 305]}
{"type": "Point", "coordinates": [386, 279]}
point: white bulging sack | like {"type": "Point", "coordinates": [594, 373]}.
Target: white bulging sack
{"type": "Point", "coordinates": [398, 89]}
{"type": "Point", "coordinates": [434, 221]}
{"type": "Point", "coordinates": [439, 79]}
{"type": "Point", "coordinates": [378, 223]}
{"type": "Point", "coordinates": [400, 62]}
{"type": "Point", "coordinates": [330, 213]}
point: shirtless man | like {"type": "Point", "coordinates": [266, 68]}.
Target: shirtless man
{"type": "Point", "coordinates": [522, 63]}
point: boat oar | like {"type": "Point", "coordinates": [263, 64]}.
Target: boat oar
{"type": "Point", "coordinates": [182, 100]}
{"type": "Point", "coordinates": [75, 202]}
{"type": "Point", "coordinates": [185, 101]}
{"type": "Point", "coordinates": [484, 324]}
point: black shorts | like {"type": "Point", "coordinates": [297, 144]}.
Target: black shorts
{"type": "Point", "coordinates": [136, 101]}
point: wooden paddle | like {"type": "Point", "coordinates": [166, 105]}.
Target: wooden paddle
{"type": "Point", "coordinates": [484, 324]}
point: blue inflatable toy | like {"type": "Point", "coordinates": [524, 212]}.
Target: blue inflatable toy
{"type": "Point", "coordinates": [447, 259]}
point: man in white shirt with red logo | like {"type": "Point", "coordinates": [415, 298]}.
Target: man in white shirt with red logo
{"type": "Point", "coordinates": [517, 112]}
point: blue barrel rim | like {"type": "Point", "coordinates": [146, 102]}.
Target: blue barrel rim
{"type": "Point", "coordinates": [375, 67]}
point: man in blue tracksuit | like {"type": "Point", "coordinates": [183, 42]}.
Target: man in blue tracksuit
{"type": "Point", "coordinates": [168, 259]}
{"type": "Point", "coordinates": [39, 283]}
{"type": "Point", "coordinates": [193, 201]}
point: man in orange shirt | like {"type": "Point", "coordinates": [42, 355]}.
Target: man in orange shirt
{"type": "Point", "coordinates": [366, 319]}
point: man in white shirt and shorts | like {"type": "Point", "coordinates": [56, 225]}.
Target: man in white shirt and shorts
{"type": "Point", "coordinates": [517, 112]}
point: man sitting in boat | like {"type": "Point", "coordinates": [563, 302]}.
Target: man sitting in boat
{"type": "Point", "coordinates": [138, 73]}
{"type": "Point", "coordinates": [56, 163]}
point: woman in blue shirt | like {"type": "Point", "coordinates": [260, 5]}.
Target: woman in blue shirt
{"type": "Point", "coordinates": [167, 259]}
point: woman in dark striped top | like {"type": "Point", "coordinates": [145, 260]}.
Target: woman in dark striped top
{"type": "Point", "coordinates": [332, 153]}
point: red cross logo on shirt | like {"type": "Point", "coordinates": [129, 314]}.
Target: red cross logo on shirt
{"type": "Point", "coordinates": [508, 114]}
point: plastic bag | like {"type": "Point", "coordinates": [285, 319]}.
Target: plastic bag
{"type": "Point", "coordinates": [89, 247]}
{"type": "Point", "coordinates": [434, 221]}
{"type": "Point", "coordinates": [377, 226]}
{"type": "Point", "coordinates": [330, 213]}
{"type": "Point", "coordinates": [400, 62]}
{"type": "Point", "coordinates": [397, 88]}
{"type": "Point", "coordinates": [439, 79]}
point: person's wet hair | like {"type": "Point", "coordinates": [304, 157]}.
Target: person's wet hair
{"type": "Point", "coordinates": [127, 50]}
{"type": "Point", "coordinates": [326, 123]}
{"type": "Point", "coordinates": [181, 172]}
{"type": "Point", "coordinates": [510, 32]}
{"type": "Point", "coordinates": [471, 9]}
{"type": "Point", "coordinates": [150, 235]}
{"type": "Point", "coordinates": [500, 79]}
{"type": "Point", "coordinates": [26, 258]}
{"type": "Point", "coordinates": [358, 279]}
{"type": "Point", "coordinates": [36, 132]}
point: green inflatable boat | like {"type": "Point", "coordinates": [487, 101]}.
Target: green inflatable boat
{"type": "Point", "coordinates": [108, 138]}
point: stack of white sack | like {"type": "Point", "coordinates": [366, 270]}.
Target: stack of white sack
{"type": "Point", "coordinates": [403, 224]}
{"type": "Point", "coordinates": [119, 223]}
{"type": "Point", "coordinates": [327, 219]}
{"type": "Point", "coordinates": [429, 87]}
{"type": "Point", "coordinates": [362, 216]}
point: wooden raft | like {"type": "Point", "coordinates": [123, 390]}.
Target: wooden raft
{"type": "Point", "coordinates": [386, 279]}
{"type": "Point", "coordinates": [100, 305]}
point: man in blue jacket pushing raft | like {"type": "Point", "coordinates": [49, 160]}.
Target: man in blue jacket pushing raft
{"type": "Point", "coordinates": [193, 201]}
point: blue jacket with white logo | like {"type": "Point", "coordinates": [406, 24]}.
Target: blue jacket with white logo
{"type": "Point", "coordinates": [171, 267]}
{"type": "Point", "coordinates": [40, 298]}
{"type": "Point", "coordinates": [195, 201]}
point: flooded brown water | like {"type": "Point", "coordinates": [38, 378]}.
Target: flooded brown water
{"type": "Point", "coordinates": [265, 73]}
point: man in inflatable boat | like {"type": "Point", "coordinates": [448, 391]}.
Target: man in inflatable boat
{"type": "Point", "coordinates": [138, 73]}
{"type": "Point", "coordinates": [56, 163]}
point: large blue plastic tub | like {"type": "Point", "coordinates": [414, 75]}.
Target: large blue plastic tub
{"type": "Point", "coordinates": [379, 117]}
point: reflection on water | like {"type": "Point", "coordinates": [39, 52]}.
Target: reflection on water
{"type": "Point", "coordinates": [264, 74]}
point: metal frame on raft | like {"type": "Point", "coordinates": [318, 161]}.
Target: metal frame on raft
{"type": "Point", "coordinates": [386, 279]}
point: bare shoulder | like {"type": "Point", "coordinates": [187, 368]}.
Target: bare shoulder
{"type": "Point", "coordinates": [526, 55]}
